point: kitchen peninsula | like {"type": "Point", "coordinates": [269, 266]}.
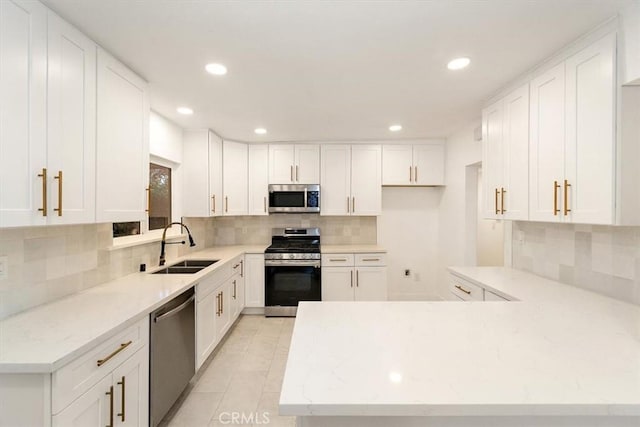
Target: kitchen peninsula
{"type": "Point", "coordinates": [560, 356]}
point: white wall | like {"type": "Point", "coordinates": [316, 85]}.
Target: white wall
{"type": "Point", "coordinates": [408, 229]}
{"type": "Point", "coordinates": [462, 151]}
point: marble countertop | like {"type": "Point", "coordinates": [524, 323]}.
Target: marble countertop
{"type": "Point", "coordinates": [337, 249]}
{"type": "Point", "coordinates": [559, 350]}
{"type": "Point", "coordinates": [47, 337]}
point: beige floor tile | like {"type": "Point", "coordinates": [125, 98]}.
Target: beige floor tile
{"type": "Point", "coordinates": [197, 410]}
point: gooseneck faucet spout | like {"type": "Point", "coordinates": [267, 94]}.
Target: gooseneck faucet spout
{"type": "Point", "coordinates": [164, 240]}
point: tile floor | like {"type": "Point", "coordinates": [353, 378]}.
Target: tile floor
{"type": "Point", "coordinates": [244, 376]}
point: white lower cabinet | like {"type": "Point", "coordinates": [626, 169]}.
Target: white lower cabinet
{"type": "Point", "coordinates": [205, 327]}
{"type": "Point", "coordinates": [463, 290]}
{"type": "Point", "coordinates": [349, 277]}
{"type": "Point", "coordinates": [254, 280]}
{"type": "Point", "coordinates": [90, 409]}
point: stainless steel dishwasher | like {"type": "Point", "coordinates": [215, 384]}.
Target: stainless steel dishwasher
{"type": "Point", "coordinates": [173, 353]}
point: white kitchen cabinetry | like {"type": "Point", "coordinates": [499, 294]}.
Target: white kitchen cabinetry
{"type": "Point", "coordinates": [572, 148]}
{"type": "Point", "coordinates": [349, 277]}
{"type": "Point", "coordinates": [254, 280]}
{"type": "Point", "coordinates": [351, 180]}
{"type": "Point", "coordinates": [92, 409]}
{"type": "Point", "coordinates": [505, 126]}
{"type": "Point", "coordinates": [235, 178]}
{"type": "Point", "coordinates": [463, 290]}
{"type": "Point", "coordinates": [202, 173]}
{"type": "Point", "coordinates": [23, 112]}
{"type": "Point", "coordinates": [408, 165]}
{"type": "Point", "coordinates": [122, 167]}
{"type": "Point", "coordinates": [258, 180]}
{"type": "Point", "coordinates": [236, 288]}
{"type": "Point", "coordinates": [294, 164]}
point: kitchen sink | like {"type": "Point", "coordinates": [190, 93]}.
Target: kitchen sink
{"type": "Point", "coordinates": [190, 266]}
{"type": "Point", "coordinates": [195, 263]}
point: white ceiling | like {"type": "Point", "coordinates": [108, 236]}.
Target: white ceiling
{"type": "Point", "coordinates": [311, 70]}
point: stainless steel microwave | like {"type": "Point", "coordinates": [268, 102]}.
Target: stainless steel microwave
{"type": "Point", "coordinates": [294, 198]}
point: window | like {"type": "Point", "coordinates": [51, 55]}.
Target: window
{"type": "Point", "coordinates": [159, 196]}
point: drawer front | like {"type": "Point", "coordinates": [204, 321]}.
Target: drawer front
{"type": "Point", "coordinates": [209, 283]}
{"type": "Point", "coordinates": [337, 260]}
{"type": "Point", "coordinates": [465, 290]}
{"type": "Point", "coordinates": [78, 376]}
{"type": "Point", "coordinates": [490, 296]}
{"type": "Point", "coordinates": [237, 266]}
{"type": "Point", "coordinates": [371, 260]}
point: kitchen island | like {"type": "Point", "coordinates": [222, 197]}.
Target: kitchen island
{"type": "Point", "coordinates": [569, 360]}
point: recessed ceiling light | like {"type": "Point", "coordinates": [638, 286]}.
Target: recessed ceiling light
{"type": "Point", "coordinates": [458, 63]}
{"type": "Point", "coordinates": [395, 128]}
{"type": "Point", "coordinates": [216, 69]}
{"type": "Point", "coordinates": [185, 110]}
{"type": "Point", "coordinates": [260, 131]}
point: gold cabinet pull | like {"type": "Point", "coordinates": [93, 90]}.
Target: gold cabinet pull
{"type": "Point", "coordinates": [59, 208]}
{"type": "Point", "coordinates": [463, 289]}
{"type": "Point", "coordinates": [496, 202]}
{"type": "Point", "coordinates": [222, 302]}
{"type": "Point", "coordinates": [101, 362]}
{"type": "Point", "coordinates": [241, 268]}
{"type": "Point", "coordinates": [226, 203]}
{"type": "Point", "coordinates": [297, 179]}
{"type": "Point", "coordinates": [357, 278]}
{"type": "Point", "coordinates": [415, 175]}
{"type": "Point", "coordinates": [265, 203]}
{"type": "Point", "coordinates": [371, 259]}
{"type": "Point", "coordinates": [337, 259]}
{"type": "Point", "coordinates": [352, 278]}
{"type": "Point", "coordinates": [218, 305]}
{"type": "Point", "coordinates": [43, 175]}
{"type": "Point", "coordinates": [110, 394]}
{"type": "Point", "coordinates": [292, 173]}
{"type": "Point", "coordinates": [502, 191]}
{"type": "Point", "coordinates": [410, 174]}
{"type": "Point", "coordinates": [348, 205]}
{"type": "Point", "coordinates": [148, 190]}
{"type": "Point", "coordinates": [353, 205]}
{"type": "Point", "coordinates": [555, 198]}
{"type": "Point", "coordinates": [121, 383]}
{"type": "Point", "coordinates": [234, 290]}
{"type": "Point", "coordinates": [213, 203]}
{"type": "Point", "coordinates": [566, 197]}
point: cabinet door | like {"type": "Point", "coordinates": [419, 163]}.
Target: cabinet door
{"type": "Point", "coordinates": [23, 112]}
{"type": "Point", "coordinates": [492, 159]}
{"type": "Point", "coordinates": [258, 180]}
{"type": "Point", "coordinates": [335, 185]}
{"type": "Point", "coordinates": [122, 173]}
{"type": "Point", "coordinates": [397, 165]}
{"type": "Point", "coordinates": [224, 309]}
{"type": "Point", "coordinates": [371, 284]}
{"type": "Point", "coordinates": [131, 391]}
{"type": "Point", "coordinates": [235, 179]}
{"type": "Point", "coordinates": [281, 164]}
{"type": "Point", "coordinates": [198, 199]}
{"type": "Point", "coordinates": [428, 164]}
{"type": "Point", "coordinates": [337, 283]}
{"type": "Point", "coordinates": [92, 409]}
{"type": "Point", "coordinates": [516, 155]}
{"type": "Point", "coordinates": [254, 280]}
{"type": "Point", "coordinates": [307, 167]}
{"type": "Point", "coordinates": [366, 180]}
{"type": "Point", "coordinates": [215, 174]}
{"type": "Point", "coordinates": [206, 314]}
{"type": "Point", "coordinates": [240, 293]}
{"type": "Point", "coordinates": [590, 144]}
{"type": "Point", "coordinates": [546, 144]}
{"type": "Point", "coordinates": [71, 142]}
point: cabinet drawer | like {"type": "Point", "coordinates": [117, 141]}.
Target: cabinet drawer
{"type": "Point", "coordinates": [78, 376]}
{"type": "Point", "coordinates": [237, 266]}
{"type": "Point", "coordinates": [372, 260]}
{"type": "Point", "coordinates": [465, 290]}
{"type": "Point", "coordinates": [337, 260]}
{"type": "Point", "coordinates": [209, 283]}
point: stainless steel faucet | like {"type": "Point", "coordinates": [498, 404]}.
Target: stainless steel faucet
{"type": "Point", "coordinates": [164, 240]}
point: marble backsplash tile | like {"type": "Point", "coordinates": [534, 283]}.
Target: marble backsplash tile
{"type": "Point", "coordinates": [599, 258]}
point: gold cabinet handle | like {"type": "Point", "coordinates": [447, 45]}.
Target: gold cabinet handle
{"type": "Point", "coordinates": [410, 174]}
{"type": "Point", "coordinates": [463, 290]}
{"type": "Point", "coordinates": [241, 268]}
{"type": "Point", "coordinates": [121, 383]}
{"type": "Point", "coordinates": [348, 205]}
{"type": "Point", "coordinates": [566, 197]}
{"type": "Point", "coordinates": [222, 302]}
{"type": "Point", "coordinates": [101, 362]}
{"type": "Point", "coordinates": [496, 202]}
{"type": "Point", "coordinates": [353, 205]}
{"type": "Point", "coordinates": [110, 394]}
{"type": "Point", "coordinates": [218, 305]}
{"type": "Point", "coordinates": [555, 198]}
{"type": "Point", "coordinates": [43, 175]}
{"type": "Point", "coordinates": [59, 208]}
{"type": "Point", "coordinates": [352, 278]}
{"type": "Point", "coordinates": [357, 278]}
{"type": "Point", "coordinates": [226, 203]}
{"type": "Point", "coordinates": [292, 173]}
{"type": "Point", "coordinates": [371, 259]}
{"type": "Point", "coordinates": [265, 203]}
{"type": "Point", "coordinates": [297, 178]}
{"type": "Point", "coordinates": [337, 259]}
{"type": "Point", "coordinates": [415, 175]}
{"type": "Point", "coordinates": [234, 290]}
{"type": "Point", "coordinates": [213, 203]}
{"type": "Point", "coordinates": [148, 191]}
{"type": "Point", "coordinates": [502, 191]}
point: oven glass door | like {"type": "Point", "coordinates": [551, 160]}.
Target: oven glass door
{"type": "Point", "coordinates": [286, 285]}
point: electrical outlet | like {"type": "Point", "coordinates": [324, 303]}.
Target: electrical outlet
{"type": "Point", "coordinates": [407, 272]}
{"type": "Point", "coordinates": [4, 267]}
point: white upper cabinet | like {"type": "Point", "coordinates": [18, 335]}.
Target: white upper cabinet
{"type": "Point", "coordinates": [408, 165]}
{"type": "Point", "coordinates": [235, 178]}
{"type": "Point", "coordinates": [258, 180]}
{"type": "Point", "coordinates": [589, 195]}
{"type": "Point", "coordinates": [351, 180]}
{"type": "Point", "coordinates": [71, 144]}
{"type": "Point", "coordinates": [294, 164]}
{"type": "Point", "coordinates": [23, 114]}
{"type": "Point", "coordinates": [202, 173]}
{"type": "Point", "coordinates": [122, 171]}
{"type": "Point", "coordinates": [492, 159]}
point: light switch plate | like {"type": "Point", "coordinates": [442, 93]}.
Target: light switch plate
{"type": "Point", "coordinates": [4, 267]}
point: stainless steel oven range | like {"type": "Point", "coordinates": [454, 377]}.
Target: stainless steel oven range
{"type": "Point", "coordinates": [292, 270]}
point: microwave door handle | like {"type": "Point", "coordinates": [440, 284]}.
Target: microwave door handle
{"type": "Point", "coordinates": [305, 197]}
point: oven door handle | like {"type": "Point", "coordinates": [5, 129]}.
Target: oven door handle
{"type": "Point", "coordinates": [291, 263]}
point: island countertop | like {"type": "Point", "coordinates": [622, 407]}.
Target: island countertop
{"type": "Point", "coordinates": [539, 356]}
